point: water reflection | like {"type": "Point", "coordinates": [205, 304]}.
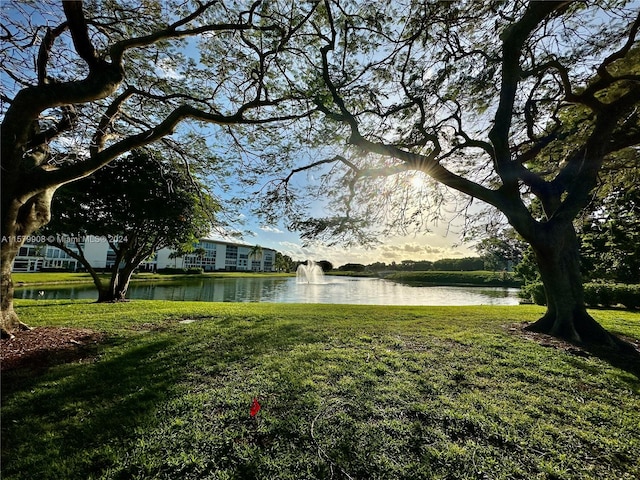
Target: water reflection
{"type": "Point", "coordinates": [341, 290]}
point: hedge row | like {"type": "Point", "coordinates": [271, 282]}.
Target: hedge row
{"type": "Point", "coordinates": [187, 271]}
{"type": "Point", "coordinates": [595, 294]}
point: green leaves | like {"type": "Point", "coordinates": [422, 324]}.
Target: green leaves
{"type": "Point", "coordinates": [139, 196]}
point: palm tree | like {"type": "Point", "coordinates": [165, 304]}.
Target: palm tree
{"type": "Point", "coordinates": [283, 263]}
{"type": "Point", "coordinates": [256, 253]}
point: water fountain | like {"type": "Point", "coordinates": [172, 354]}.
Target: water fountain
{"type": "Point", "coordinates": [309, 273]}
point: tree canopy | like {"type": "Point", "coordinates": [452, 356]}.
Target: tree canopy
{"type": "Point", "coordinates": [140, 204]}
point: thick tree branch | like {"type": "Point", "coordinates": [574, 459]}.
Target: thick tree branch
{"type": "Point", "coordinates": [65, 174]}
{"type": "Point", "coordinates": [513, 40]}
{"type": "Point", "coordinates": [101, 134]}
{"type": "Point", "coordinates": [45, 50]}
{"type": "Point", "coordinates": [622, 52]}
{"type": "Point", "coordinates": [80, 32]}
{"type": "Point", "coordinates": [69, 115]}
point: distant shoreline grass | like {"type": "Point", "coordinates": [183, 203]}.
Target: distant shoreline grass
{"type": "Point", "coordinates": [61, 278]}
{"type": "Point", "coordinates": [449, 278]}
{"type": "Point", "coordinates": [366, 392]}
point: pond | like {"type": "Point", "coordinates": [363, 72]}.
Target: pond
{"type": "Point", "coordinates": [342, 290]}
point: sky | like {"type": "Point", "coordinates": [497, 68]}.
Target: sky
{"type": "Point", "coordinates": [441, 242]}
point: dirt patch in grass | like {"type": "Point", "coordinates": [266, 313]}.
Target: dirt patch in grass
{"type": "Point", "coordinates": [545, 340]}
{"type": "Point", "coordinates": [46, 346]}
{"type": "Point", "coordinates": [553, 342]}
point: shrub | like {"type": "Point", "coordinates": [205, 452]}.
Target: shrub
{"type": "Point", "coordinates": [591, 294]}
{"type": "Point", "coordinates": [177, 271]}
{"type": "Point", "coordinates": [607, 294]}
{"type": "Point", "coordinates": [480, 278]}
{"type": "Point", "coordinates": [627, 295]}
{"type": "Point", "coordinates": [534, 292]}
{"type": "Point", "coordinates": [595, 294]}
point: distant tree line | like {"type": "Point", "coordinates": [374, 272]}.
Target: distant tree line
{"type": "Point", "coordinates": [446, 264]}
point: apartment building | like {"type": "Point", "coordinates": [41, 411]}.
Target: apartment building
{"type": "Point", "coordinates": [216, 255]}
{"type": "Point", "coordinates": [210, 255]}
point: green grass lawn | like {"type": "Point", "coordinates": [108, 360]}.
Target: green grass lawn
{"type": "Point", "coordinates": [347, 392]}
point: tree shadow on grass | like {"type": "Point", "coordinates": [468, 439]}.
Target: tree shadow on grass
{"type": "Point", "coordinates": [56, 425]}
{"type": "Point", "coordinates": [626, 359]}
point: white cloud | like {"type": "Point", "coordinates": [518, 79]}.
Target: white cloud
{"type": "Point", "coordinates": [164, 69]}
{"type": "Point", "coordinates": [294, 250]}
{"type": "Point", "coordinates": [270, 229]}
{"type": "Point", "coordinates": [414, 251]}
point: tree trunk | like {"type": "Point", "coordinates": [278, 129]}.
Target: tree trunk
{"type": "Point", "coordinates": [566, 316]}
{"type": "Point", "coordinates": [10, 323]}
{"type": "Point", "coordinates": [124, 277]}
{"type": "Point", "coordinates": [118, 285]}
{"type": "Point", "coordinates": [79, 256]}
{"type": "Point", "coordinates": [19, 220]}
{"type": "Point", "coordinates": [104, 295]}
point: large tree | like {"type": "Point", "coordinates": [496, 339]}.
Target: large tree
{"type": "Point", "coordinates": [139, 204]}
{"type": "Point", "coordinates": [83, 85]}
{"type": "Point", "coordinates": [510, 103]}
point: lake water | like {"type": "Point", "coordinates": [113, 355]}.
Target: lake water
{"type": "Point", "coordinates": [341, 290]}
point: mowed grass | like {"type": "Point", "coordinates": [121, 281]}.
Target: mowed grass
{"type": "Point", "coordinates": [347, 392]}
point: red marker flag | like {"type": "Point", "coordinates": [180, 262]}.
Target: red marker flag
{"type": "Point", "coordinates": [255, 408]}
